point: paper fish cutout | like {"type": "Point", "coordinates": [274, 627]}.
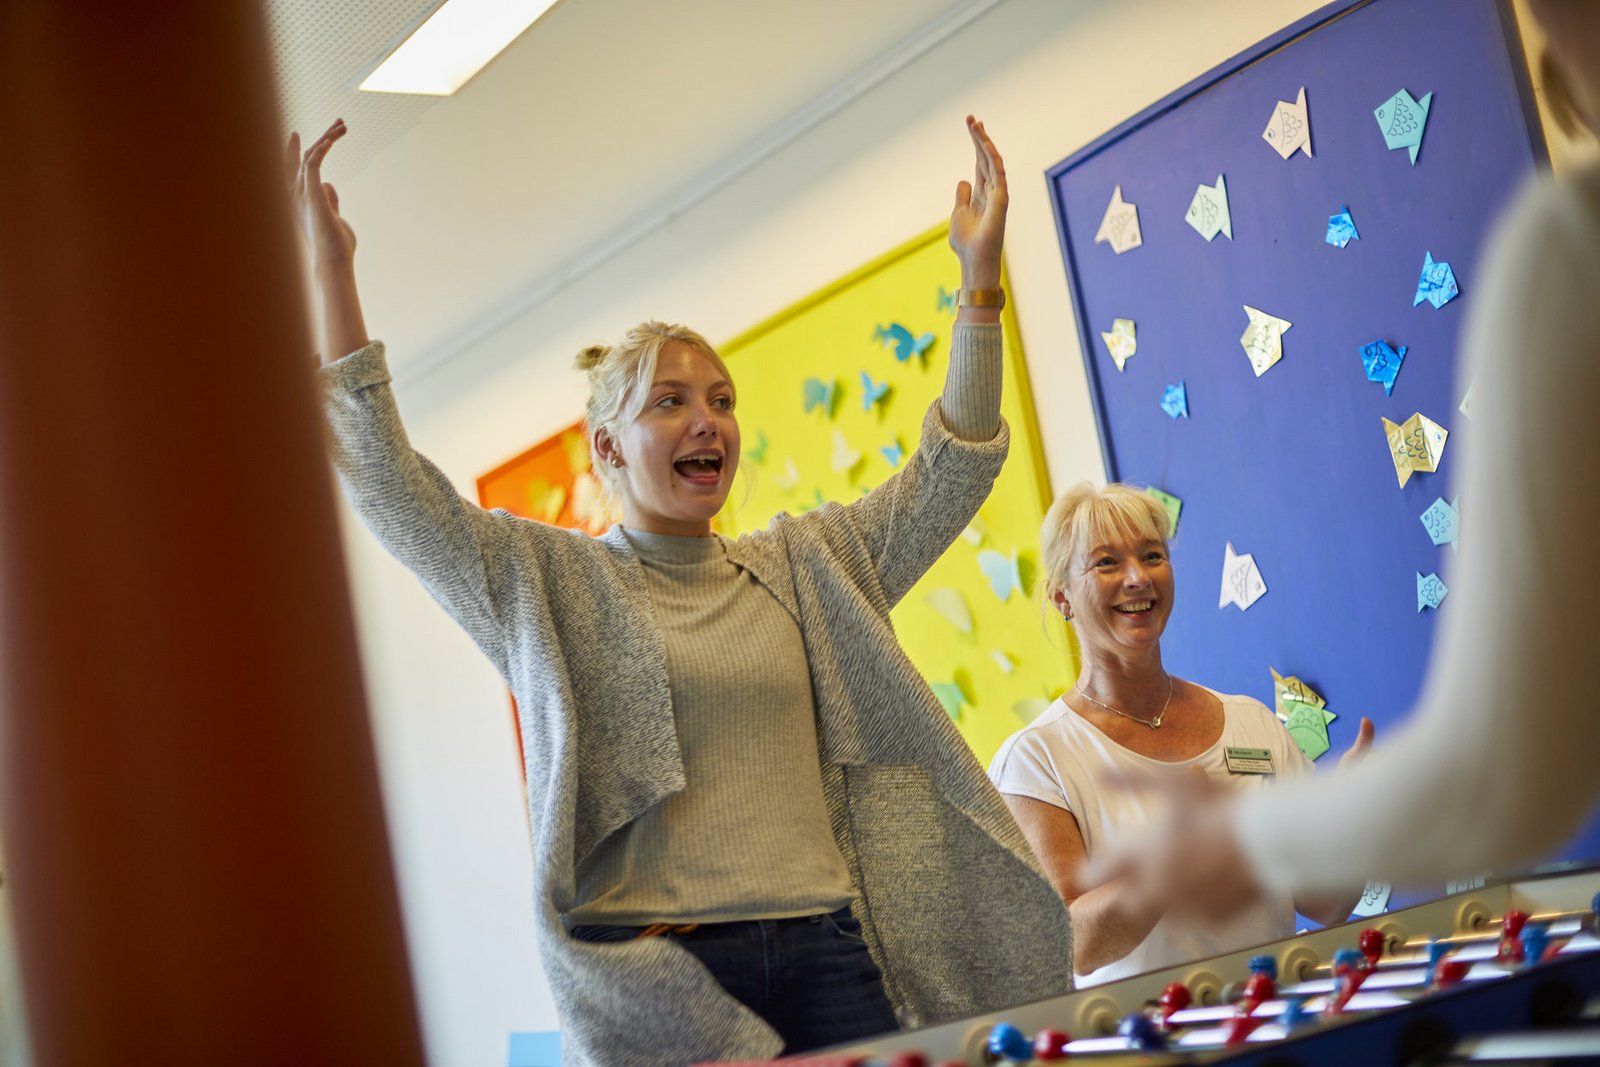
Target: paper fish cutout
{"type": "Point", "coordinates": [1208, 211]}
{"type": "Point", "coordinates": [872, 393]}
{"type": "Point", "coordinates": [1119, 227]}
{"type": "Point", "coordinates": [951, 606]}
{"type": "Point", "coordinates": [1002, 572]}
{"type": "Point", "coordinates": [894, 452]}
{"type": "Point", "coordinates": [1263, 339]}
{"type": "Point", "coordinates": [905, 345]}
{"type": "Point", "coordinates": [1430, 591]}
{"type": "Point", "coordinates": [590, 504]}
{"type": "Point", "coordinates": [951, 696]}
{"type": "Point", "coordinates": [1382, 363]}
{"type": "Point", "coordinates": [1308, 725]}
{"type": "Point", "coordinates": [1289, 129]}
{"type": "Point", "coordinates": [1466, 400]}
{"type": "Point", "coordinates": [1289, 687]}
{"type": "Point", "coordinates": [947, 301]}
{"type": "Point", "coordinates": [819, 394]}
{"type": "Point", "coordinates": [1175, 400]}
{"type": "Point", "coordinates": [845, 457]}
{"type": "Point", "coordinates": [1402, 120]}
{"type": "Point", "coordinates": [1416, 445]}
{"type": "Point", "coordinates": [1443, 521]}
{"type": "Point", "coordinates": [1374, 900]}
{"type": "Point", "coordinates": [975, 532]}
{"type": "Point", "coordinates": [1342, 228]}
{"type": "Point", "coordinates": [545, 501]}
{"type": "Point", "coordinates": [1242, 583]}
{"type": "Point", "coordinates": [758, 454]}
{"type": "Point", "coordinates": [1030, 708]}
{"type": "Point", "coordinates": [576, 445]}
{"type": "Point", "coordinates": [790, 476]}
{"type": "Point", "coordinates": [1003, 661]}
{"type": "Point", "coordinates": [1437, 285]}
{"type": "Point", "coordinates": [1173, 505]}
{"type": "Point", "coordinates": [1120, 341]}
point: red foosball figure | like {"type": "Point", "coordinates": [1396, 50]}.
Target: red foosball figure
{"type": "Point", "coordinates": [1260, 987]}
{"type": "Point", "coordinates": [1511, 938]}
{"type": "Point", "coordinates": [1371, 944]}
{"type": "Point", "coordinates": [1240, 1027]}
{"type": "Point", "coordinates": [1349, 971]}
{"type": "Point", "coordinates": [1174, 998]}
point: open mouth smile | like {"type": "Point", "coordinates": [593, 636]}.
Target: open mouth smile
{"type": "Point", "coordinates": [699, 468]}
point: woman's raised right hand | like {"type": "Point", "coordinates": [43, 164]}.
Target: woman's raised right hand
{"type": "Point", "coordinates": [329, 239]}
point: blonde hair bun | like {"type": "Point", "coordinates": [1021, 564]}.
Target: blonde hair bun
{"type": "Point", "coordinates": [592, 357]}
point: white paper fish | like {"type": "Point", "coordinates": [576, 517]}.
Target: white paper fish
{"type": "Point", "coordinates": [1119, 227]}
{"type": "Point", "coordinates": [1242, 583]}
{"type": "Point", "coordinates": [1208, 211]}
{"type": "Point", "coordinates": [1263, 339]}
{"type": "Point", "coordinates": [1289, 129]}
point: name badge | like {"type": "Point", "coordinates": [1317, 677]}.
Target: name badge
{"type": "Point", "coordinates": [1249, 760]}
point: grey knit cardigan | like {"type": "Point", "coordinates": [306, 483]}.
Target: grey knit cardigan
{"type": "Point", "coordinates": [955, 908]}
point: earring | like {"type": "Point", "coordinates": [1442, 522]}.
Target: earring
{"type": "Point", "coordinates": [616, 461]}
{"type": "Point", "coordinates": [1066, 613]}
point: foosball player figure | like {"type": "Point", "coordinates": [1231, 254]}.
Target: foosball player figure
{"type": "Point", "coordinates": [1008, 1043]}
{"type": "Point", "coordinates": [1174, 998]}
{"type": "Point", "coordinates": [1261, 986]}
{"type": "Point", "coordinates": [1510, 952]}
{"type": "Point", "coordinates": [1436, 952]}
{"type": "Point", "coordinates": [1349, 971]}
{"type": "Point", "coordinates": [1142, 1033]}
{"type": "Point", "coordinates": [1050, 1046]}
{"type": "Point", "coordinates": [1294, 1015]}
{"type": "Point", "coordinates": [1371, 942]}
{"type": "Point", "coordinates": [1535, 942]}
{"type": "Point", "coordinates": [1448, 973]}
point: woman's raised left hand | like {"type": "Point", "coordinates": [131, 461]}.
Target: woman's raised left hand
{"type": "Point", "coordinates": [978, 222]}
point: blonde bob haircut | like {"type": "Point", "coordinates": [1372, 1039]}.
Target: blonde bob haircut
{"type": "Point", "coordinates": [1084, 516]}
{"type": "Point", "coordinates": [620, 377]}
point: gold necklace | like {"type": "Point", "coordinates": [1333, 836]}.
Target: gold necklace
{"type": "Point", "coordinates": [1154, 724]}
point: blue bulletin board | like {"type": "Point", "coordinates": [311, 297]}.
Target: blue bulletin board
{"type": "Point", "coordinates": [1293, 466]}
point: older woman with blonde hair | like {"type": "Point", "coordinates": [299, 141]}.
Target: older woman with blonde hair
{"type": "Point", "coordinates": [1108, 572]}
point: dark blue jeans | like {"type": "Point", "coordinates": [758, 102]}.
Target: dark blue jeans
{"type": "Point", "coordinates": [810, 978]}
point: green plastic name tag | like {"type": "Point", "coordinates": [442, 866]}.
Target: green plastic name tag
{"type": "Point", "coordinates": [1249, 760]}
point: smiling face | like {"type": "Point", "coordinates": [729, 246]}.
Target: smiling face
{"type": "Point", "coordinates": [677, 458]}
{"type": "Point", "coordinates": [1121, 591]}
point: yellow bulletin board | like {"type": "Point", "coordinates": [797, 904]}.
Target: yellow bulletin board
{"type": "Point", "coordinates": [813, 429]}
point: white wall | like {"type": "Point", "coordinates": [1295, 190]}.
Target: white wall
{"type": "Point", "coordinates": [1047, 76]}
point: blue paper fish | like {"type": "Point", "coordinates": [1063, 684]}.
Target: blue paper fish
{"type": "Point", "coordinates": [947, 300]}
{"type": "Point", "coordinates": [1437, 284]}
{"type": "Point", "coordinates": [1003, 572]}
{"type": "Point", "coordinates": [1342, 228]}
{"type": "Point", "coordinates": [1175, 401]}
{"type": "Point", "coordinates": [905, 345]}
{"type": "Point", "coordinates": [1430, 591]}
{"type": "Point", "coordinates": [1403, 120]}
{"type": "Point", "coordinates": [1382, 363]}
{"type": "Point", "coordinates": [1443, 522]}
{"type": "Point", "coordinates": [872, 393]}
{"type": "Point", "coordinates": [758, 453]}
{"type": "Point", "coordinates": [894, 452]}
{"type": "Point", "coordinates": [819, 394]}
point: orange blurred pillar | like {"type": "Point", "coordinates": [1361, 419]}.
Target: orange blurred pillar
{"type": "Point", "coordinates": [195, 842]}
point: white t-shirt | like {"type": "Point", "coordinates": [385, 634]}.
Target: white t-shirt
{"type": "Point", "coordinates": [1060, 758]}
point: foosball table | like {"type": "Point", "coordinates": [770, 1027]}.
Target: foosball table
{"type": "Point", "coordinates": [1506, 973]}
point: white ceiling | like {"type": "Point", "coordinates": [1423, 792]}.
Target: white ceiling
{"type": "Point", "coordinates": [601, 120]}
